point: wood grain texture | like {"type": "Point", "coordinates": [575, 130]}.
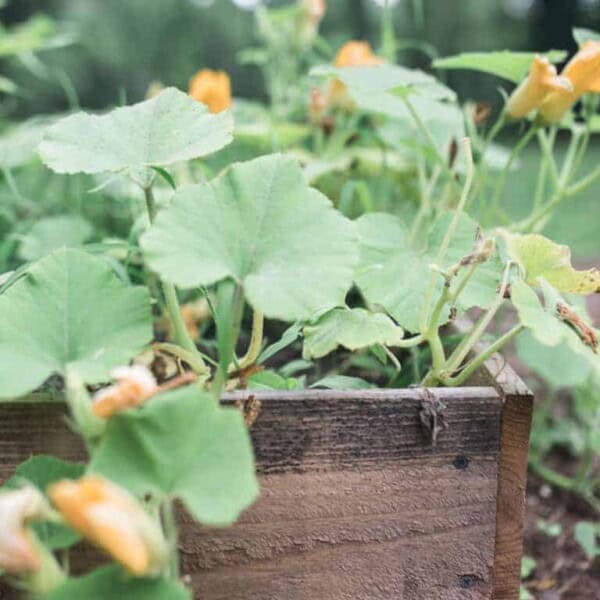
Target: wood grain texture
{"type": "Point", "coordinates": [355, 502]}
{"type": "Point", "coordinates": [512, 473]}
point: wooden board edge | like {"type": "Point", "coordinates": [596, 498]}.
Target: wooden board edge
{"type": "Point", "coordinates": [512, 482]}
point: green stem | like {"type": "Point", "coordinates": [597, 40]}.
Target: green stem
{"type": "Point", "coordinates": [182, 336]}
{"type": "Point", "coordinates": [501, 184]}
{"type": "Point", "coordinates": [467, 345]}
{"type": "Point", "coordinates": [388, 33]}
{"type": "Point", "coordinates": [547, 146]}
{"type": "Point", "coordinates": [478, 361]}
{"type": "Point", "coordinates": [584, 183]}
{"type": "Point", "coordinates": [566, 483]}
{"type": "Point", "coordinates": [171, 535]}
{"type": "Point", "coordinates": [256, 339]}
{"type": "Point", "coordinates": [429, 138]}
{"type": "Point", "coordinates": [425, 322]}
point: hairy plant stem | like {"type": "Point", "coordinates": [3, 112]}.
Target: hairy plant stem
{"type": "Point", "coordinates": [479, 360]}
{"type": "Point", "coordinates": [182, 336]}
{"type": "Point", "coordinates": [427, 324]}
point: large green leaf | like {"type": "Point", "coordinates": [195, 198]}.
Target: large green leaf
{"type": "Point", "coordinates": [261, 225]}
{"type": "Point", "coordinates": [42, 471]}
{"type": "Point", "coordinates": [69, 312]}
{"type": "Point", "coordinates": [113, 583]}
{"type": "Point", "coordinates": [182, 444]}
{"type": "Point", "coordinates": [170, 127]}
{"type": "Point", "coordinates": [513, 66]}
{"type": "Point", "coordinates": [545, 325]}
{"type": "Point", "coordinates": [383, 90]}
{"type": "Point", "coordinates": [351, 328]}
{"type": "Point", "coordinates": [383, 78]}
{"type": "Point", "coordinates": [394, 276]}
{"type": "Point", "coordinates": [53, 233]}
{"type": "Point", "coordinates": [541, 257]}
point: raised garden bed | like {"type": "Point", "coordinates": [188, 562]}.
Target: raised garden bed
{"type": "Point", "coordinates": [356, 502]}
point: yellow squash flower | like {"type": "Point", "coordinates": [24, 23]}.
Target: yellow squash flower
{"type": "Point", "coordinates": [113, 520]}
{"type": "Point", "coordinates": [212, 88]}
{"type": "Point", "coordinates": [583, 73]}
{"type": "Point", "coordinates": [542, 80]}
{"type": "Point", "coordinates": [134, 386]}
{"type": "Point", "coordinates": [352, 54]}
{"type": "Point", "coordinates": [19, 553]}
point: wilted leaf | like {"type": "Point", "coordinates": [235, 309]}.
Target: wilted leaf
{"type": "Point", "coordinates": [183, 445]}
{"type": "Point", "coordinates": [545, 325]}
{"type": "Point", "coordinates": [261, 225]}
{"type": "Point", "coordinates": [541, 257]}
{"type": "Point", "coordinates": [513, 66]}
{"type": "Point", "coordinates": [170, 127]}
{"type": "Point", "coordinates": [69, 311]}
{"type": "Point", "coordinates": [351, 328]}
{"type": "Point", "coordinates": [113, 582]}
{"type": "Point", "coordinates": [52, 233]}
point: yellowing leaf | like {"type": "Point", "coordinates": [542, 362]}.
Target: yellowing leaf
{"type": "Point", "coordinates": [541, 257]}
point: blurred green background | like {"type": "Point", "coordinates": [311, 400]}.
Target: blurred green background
{"type": "Point", "coordinates": [123, 45]}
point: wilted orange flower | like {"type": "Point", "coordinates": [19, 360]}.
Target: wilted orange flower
{"type": "Point", "coordinates": [134, 386]}
{"type": "Point", "coordinates": [541, 80]}
{"type": "Point", "coordinates": [583, 72]}
{"type": "Point", "coordinates": [212, 88]}
{"type": "Point", "coordinates": [113, 520]}
{"type": "Point", "coordinates": [18, 549]}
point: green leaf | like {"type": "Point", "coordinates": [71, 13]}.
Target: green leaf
{"type": "Point", "coordinates": [582, 35]}
{"type": "Point", "coordinates": [513, 66]}
{"type": "Point", "coordinates": [42, 471]}
{"type": "Point", "coordinates": [395, 277]}
{"type": "Point", "coordinates": [342, 382]}
{"type": "Point", "coordinates": [586, 535]}
{"type": "Point", "coordinates": [384, 78]}
{"type": "Point", "coordinates": [169, 128]}
{"type": "Point", "coordinates": [545, 325]}
{"type": "Point", "coordinates": [540, 257]}
{"type": "Point", "coordinates": [113, 582]}
{"type": "Point", "coordinates": [183, 445]}
{"type": "Point", "coordinates": [269, 380]}
{"type": "Point", "coordinates": [528, 565]}
{"type": "Point", "coordinates": [261, 225]}
{"type": "Point", "coordinates": [290, 335]}
{"type": "Point", "coordinates": [557, 368]}
{"type": "Point", "coordinates": [351, 328]}
{"type": "Point", "coordinates": [69, 311]}
{"type": "Point", "coordinates": [52, 233]}
{"type": "Point", "coordinates": [18, 144]}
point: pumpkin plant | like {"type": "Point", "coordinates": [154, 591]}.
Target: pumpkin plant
{"type": "Point", "coordinates": [258, 246]}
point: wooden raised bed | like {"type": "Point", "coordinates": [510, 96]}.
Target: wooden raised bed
{"type": "Point", "coordinates": [356, 502]}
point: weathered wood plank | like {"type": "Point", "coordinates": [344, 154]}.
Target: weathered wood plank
{"type": "Point", "coordinates": [355, 502]}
